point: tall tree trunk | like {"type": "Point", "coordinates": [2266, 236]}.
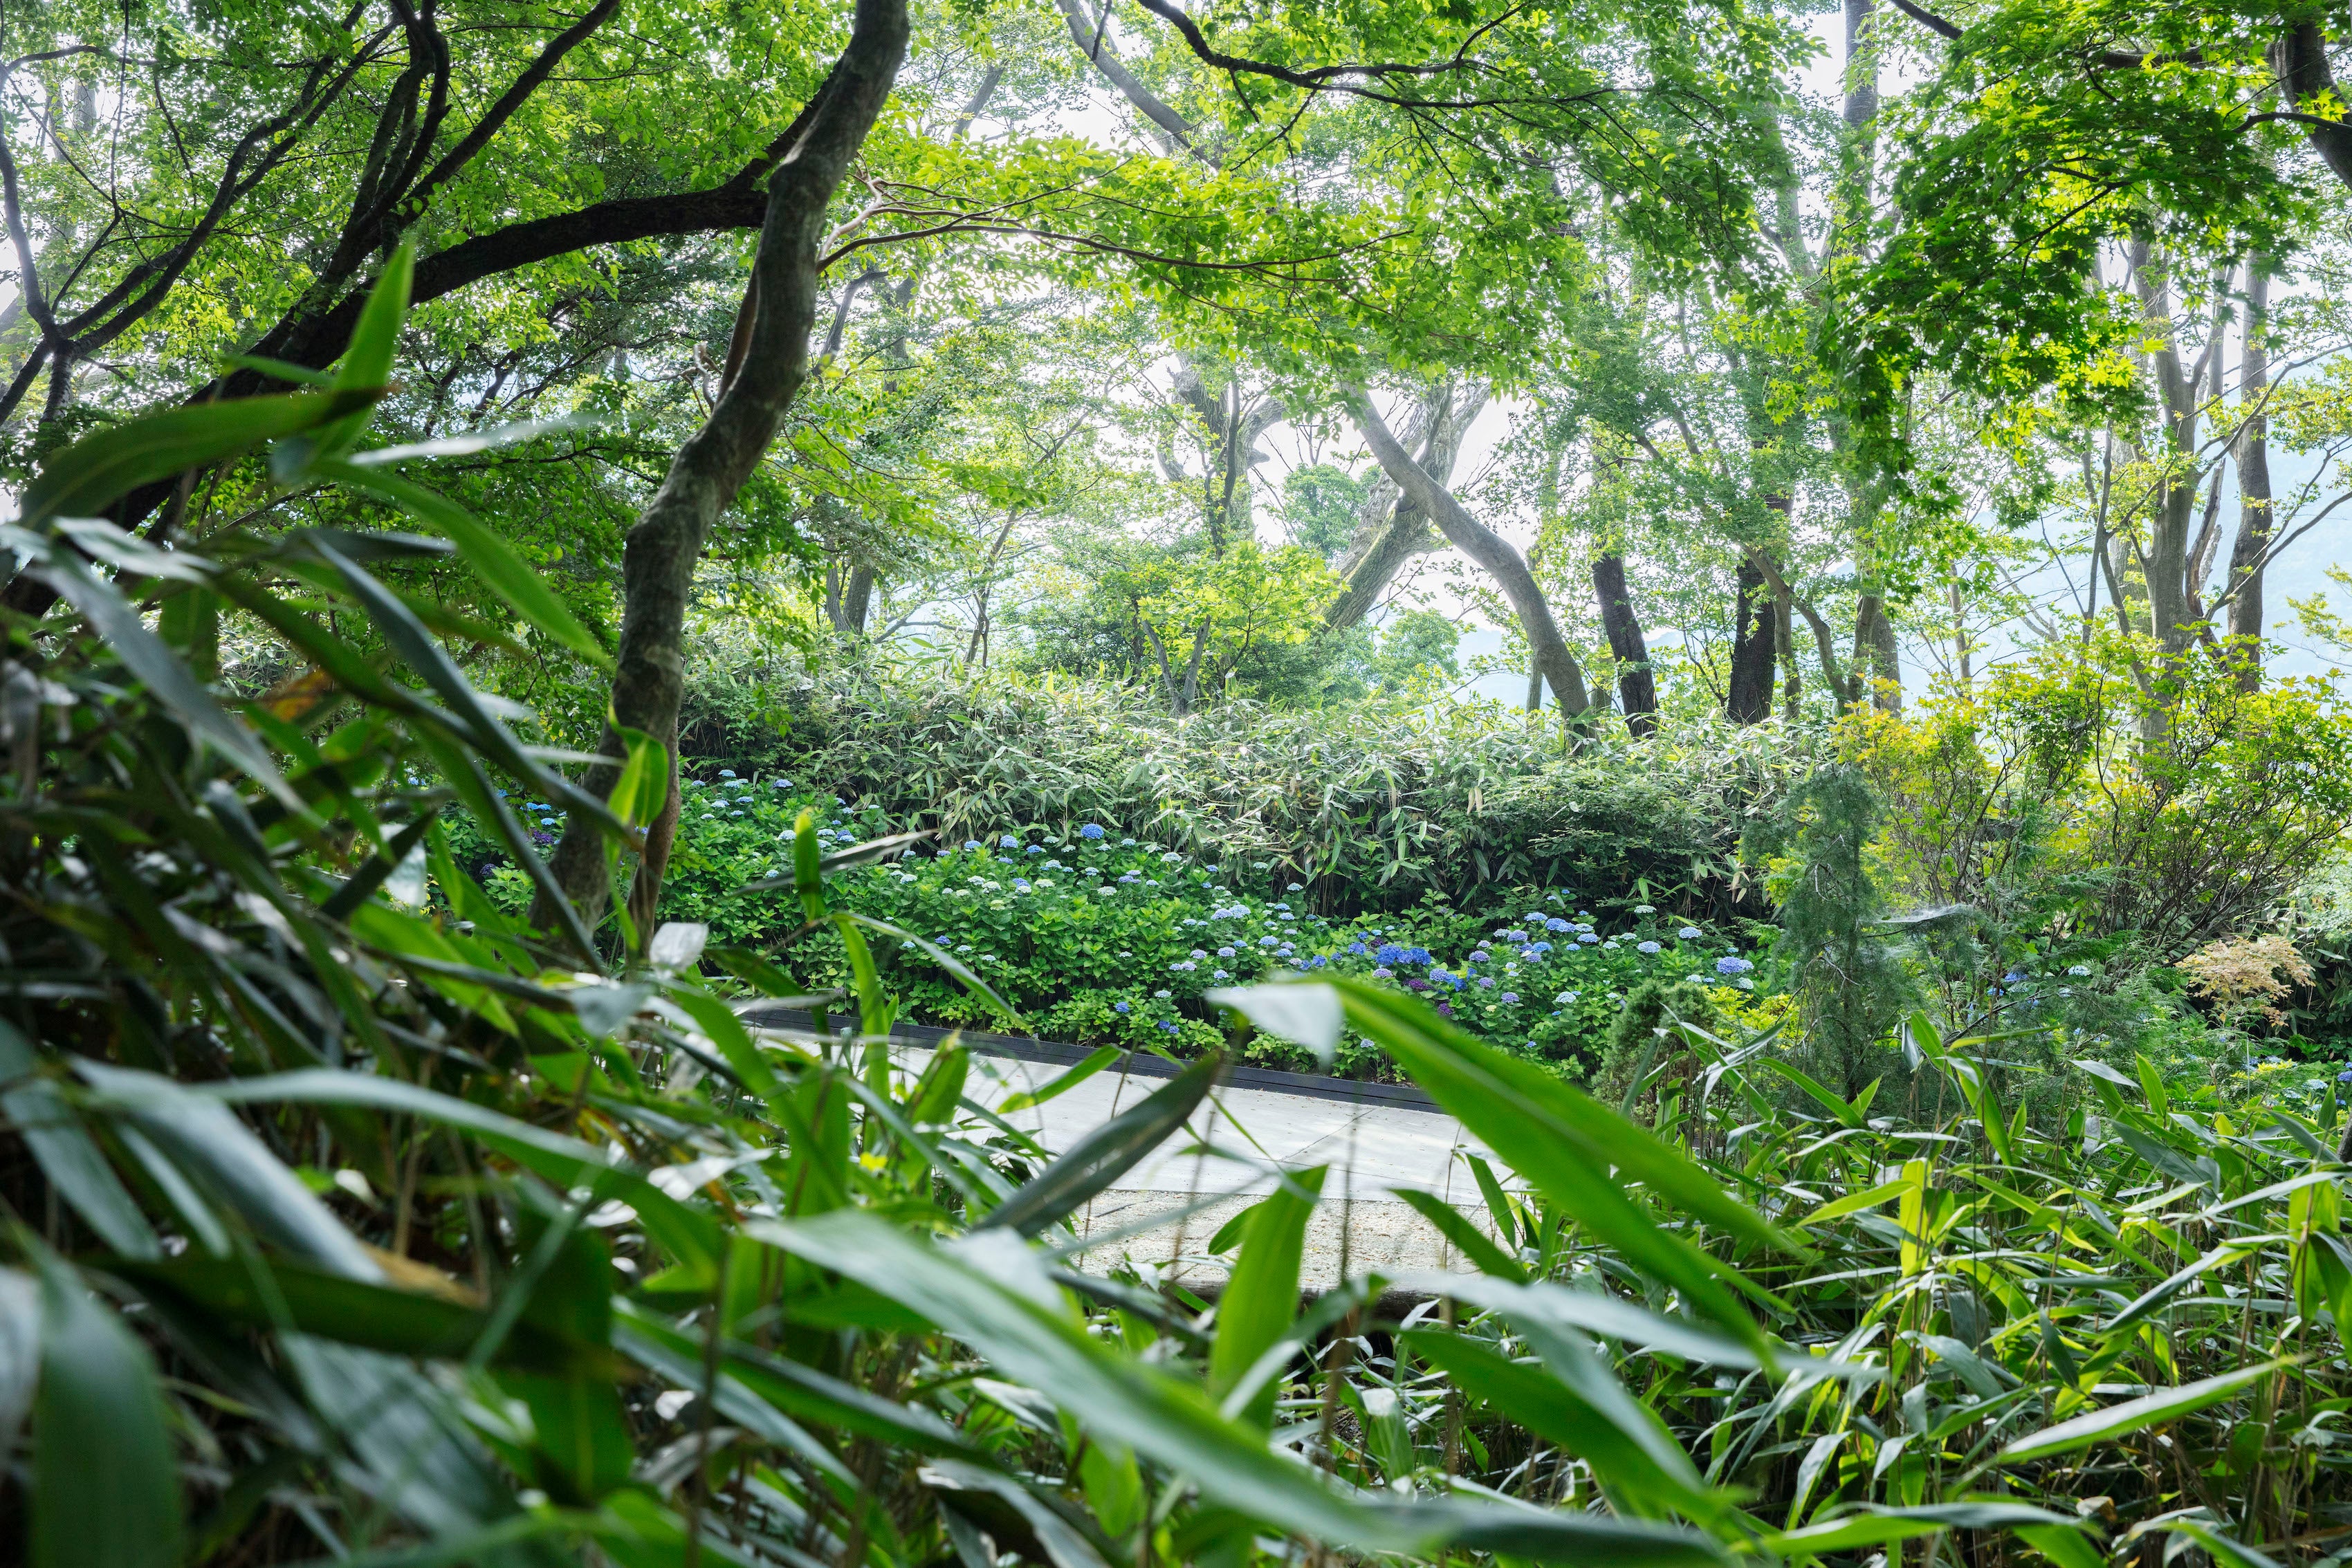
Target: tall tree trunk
{"type": "Point", "coordinates": [1784, 644]}
{"type": "Point", "coordinates": [2165, 559]}
{"type": "Point", "coordinates": [1395, 529]}
{"type": "Point", "coordinates": [2255, 522]}
{"type": "Point", "coordinates": [1490, 550]}
{"type": "Point", "coordinates": [659, 561]}
{"type": "Point", "coordinates": [1877, 660]}
{"type": "Point", "coordinates": [1748, 699]}
{"type": "Point", "coordinates": [1637, 689]}
{"type": "Point", "coordinates": [856, 600]}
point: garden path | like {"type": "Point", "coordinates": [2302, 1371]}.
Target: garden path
{"type": "Point", "coordinates": [1162, 1213]}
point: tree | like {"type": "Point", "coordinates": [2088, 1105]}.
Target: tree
{"type": "Point", "coordinates": [766, 364]}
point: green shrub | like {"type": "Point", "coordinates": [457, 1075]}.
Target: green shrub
{"type": "Point", "coordinates": [1372, 808]}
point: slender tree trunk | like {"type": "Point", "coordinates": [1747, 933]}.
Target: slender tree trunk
{"type": "Point", "coordinates": [1637, 688]}
{"type": "Point", "coordinates": [1784, 644]}
{"type": "Point", "coordinates": [1535, 687]}
{"type": "Point", "coordinates": [658, 562]}
{"type": "Point", "coordinates": [1961, 646]}
{"type": "Point", "coordinates": [2255, 522]}
{"type": "Point", "coordinates": [858, 600]}
{"type": "Point", "coordinates": [1747, 698]}
{"type": "Point", "coordinates": [1491, 551]}
{"type": "Point", "coordinates": [2165, 559]}
{"type": "Point", "coordinates": [1396, 528]}
{"type": "Point", "coordinates": [1877, 661]}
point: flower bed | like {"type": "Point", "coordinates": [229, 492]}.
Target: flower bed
{"type": "Point", "coordinates": [1101, 938]}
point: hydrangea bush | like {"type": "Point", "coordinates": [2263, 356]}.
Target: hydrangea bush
{"type": "Point", "coordinates": [1098, 936]}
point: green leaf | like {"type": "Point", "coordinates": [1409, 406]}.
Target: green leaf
{"type": "Point", "coordinates": [1878, 1526]}
{"type": "Point", "coordinates": [1856, 1202]}
{"type": "Point", "coordinates": [279, 370]}
{"type": "Point", "coordinates": [1642, 1466]}
{"type": "Point", "coordinates": [99, 469]}
{"type": "Point", "coordinates": [375, 341]}
{"type": "Point", "coordinates": [1305, 1013]}
{"type": "Point", "coordinates": [503, 573]}
{"type": "Point", "coordinates": [1106, 1153]}
{"type": "Point", "coordinates": [1574, 1150]}
{"type": "Point", "coordinates": [1474, 1244]}
{"type": "Point", "coordinates": [67, 1153]}
{"type": "Point", "coordinates": [148, 658]}
{"type": "Point", "coordinates": [2065, 1546]}
{"type": "Point", "coordinates": [1261, 1297]}
{"type": "Point", "coordinates": [1062, 1085]}
{"type": "Point", "coordinates": [105, 1486]}
{"type": "Point", "coordinates": [690, 1238]}
{"type": "Point", "coordinates": [1829, 1100]}
{"type": "Point", "coordinates": [963, 1289]}
{"type": "Point", "coordinates": [945, 960]}
{"type": "Point", "coordinates": [2105, 1425]}
{"type": "Point", "coordinates": [236, 1168]}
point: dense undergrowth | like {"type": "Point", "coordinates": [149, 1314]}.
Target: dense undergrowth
{"type": "Point", "coordinates": [345, 1225]}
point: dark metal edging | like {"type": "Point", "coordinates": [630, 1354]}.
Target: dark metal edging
{"type": "Point", "coordinates": [1135, 1063]}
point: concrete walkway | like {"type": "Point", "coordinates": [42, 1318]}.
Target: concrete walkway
{"type": "Point", "coordinates": [1235, 1140]}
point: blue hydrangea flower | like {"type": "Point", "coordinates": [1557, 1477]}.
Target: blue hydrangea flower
{"type": "Point", "coordinates": [779, 783]}
{"type": "Point", "coordinates": [1037, 849]}
{"type": "Point", "coordinates": [1358, 948]}
{"type": "Point", "coordinates": [1167, 1026]}
{"type": "Point", "coordinates": [1537, 949]}
{"type": "Point", "coordinates": [1224, 952]}
{"type": "Point", "coordinates": [1486, 982]}
{"type": "Point", "coordinates": [1589, 939]}
{"type": "Point", "coordinates": [1389, 953]}
{"type": "Point", "coordinates": [1163, 996]}
{"type": "Point", "coordinates": [1645, 909]}
{"type": "Point", "coordinates": [1416, 955]}
{"type": "Point", "coordinates": [2344, 1077]}
{"type": "Point", "coordinates": [1475, 958]}
{"type": "Point", "coordinates": [971, 843]}
{"type": "Point", "coordinates": [1509, 999]}
{"type": "Point", "coordinates": [1647, 948]}
{"type": "Point", "coordinates": [1219, 975]}
{"type": "Point", "coordinates": [1382, 973]}
{"type": "Point", "coordinates": [1535, 916]}
{"type": "Point", "coordinates": [1515, 935]}
{"type": "Point", "coordinates": [1020, 884]}
{"type": "Point", "coordinates": [727, 773]}
{"type": "Point", "coordinates": [1729, 965]}
{"type": "Point", "coordinates": [1555, 924]}
{"type": "Point", "coordinates": [1091, 832]}
{"type": "Point", "coordinates": [1297, 887]}
{"type": "Point", "coordinates": [1269, 941]}
{"type": "Point", "coordinates": [1197, 953]}
{"type": "Point", "coordinates": [1009, 841]}
{"type": "Point", "coordinates": [1120, 1008]}
{"type": "Point", "coordinates": [1126, 843]}
{"type": "Point", "coordinates": [1317, 961]}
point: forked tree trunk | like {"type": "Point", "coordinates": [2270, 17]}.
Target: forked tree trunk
{"type": "Point", "coordinates": [780, 308]}
{"type": "Point", "coordinates": [1492, 553]}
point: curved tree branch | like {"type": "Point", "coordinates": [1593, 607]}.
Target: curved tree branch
{"type": "Point", "coordinates": [1493, 552]}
